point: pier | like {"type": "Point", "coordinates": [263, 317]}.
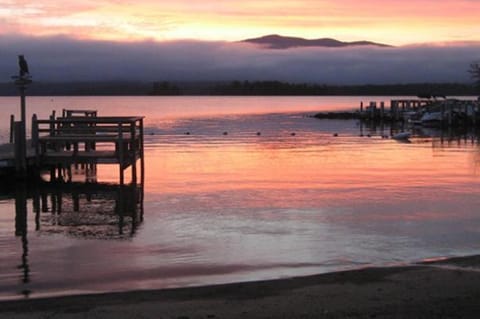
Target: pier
{"type": "Point", "coordinates": [78, 138]}
{"type": "Point", "coordinates": [442, 113]}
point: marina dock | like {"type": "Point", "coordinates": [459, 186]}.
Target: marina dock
{"type": "Point", "coordinates": [442, 113]}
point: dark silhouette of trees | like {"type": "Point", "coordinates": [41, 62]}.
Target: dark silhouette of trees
{"type": "Point", "coordinates": [283, 88]}
{"type": "Point", "coordinates": [165, 88]}
{"type": "Point", "coordinates": [273, 88]}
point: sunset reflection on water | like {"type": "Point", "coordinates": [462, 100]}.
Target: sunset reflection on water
{"type": "Point", "coordinates": [261, 202]}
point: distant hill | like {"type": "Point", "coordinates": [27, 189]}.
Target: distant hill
{"type": "Point", "coordinates": [275, 41]}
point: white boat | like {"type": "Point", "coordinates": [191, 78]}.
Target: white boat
{"type": "Point", "coordinates": [402, 136]}
{"type": "Point", "coordinates": [430, 118]}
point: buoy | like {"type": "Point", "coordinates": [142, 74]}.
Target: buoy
{"type": "Point", "coordinates": [335, 134]}
{"type": "Point", "coordinates": [258, 133]}
{"type": "Point", "coordinates": [225, 133]}
{"type": "Point", "coordinates": [293, 134]}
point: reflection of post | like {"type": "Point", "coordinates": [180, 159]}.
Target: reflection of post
{"type": "Point", "coordinates": [12, 129]}
{"type": "Point", "coordinates": [76, 201]}
{"type": "Point", "coordinates": [21, 229]}
{"type": "Point", "coordinates": [121, 208]}
{"type": "Point", "coordinates": [36, 208]}
{"type": "Point", "coordinates": [20, 210]}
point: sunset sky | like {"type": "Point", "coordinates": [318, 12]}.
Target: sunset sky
{"type": "Point", "coordinates": [395, 22]}
{"type": "Point", "coordinates": [186, 40]}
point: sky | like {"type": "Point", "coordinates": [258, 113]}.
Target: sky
{"type": "Point", "coordinates": [187, 39]}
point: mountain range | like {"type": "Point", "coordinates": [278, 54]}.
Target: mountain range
{"type": "Point", "coordinates": [275, 41]}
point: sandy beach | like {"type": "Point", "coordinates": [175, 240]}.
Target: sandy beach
{"type": "Point", "coordinates": [440, 289]}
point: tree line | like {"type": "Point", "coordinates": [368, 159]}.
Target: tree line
{"type": "Point", "coordinates": [273, 88]}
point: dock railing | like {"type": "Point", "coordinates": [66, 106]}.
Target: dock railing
{"type": "Point", "coordinates": [89, 140]}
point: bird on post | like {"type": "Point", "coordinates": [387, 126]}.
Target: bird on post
{"type": "Point", "coordinates": [22, 63]}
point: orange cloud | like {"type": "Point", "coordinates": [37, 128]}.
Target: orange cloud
{"type": "Point", "coordinates": [390, 21]}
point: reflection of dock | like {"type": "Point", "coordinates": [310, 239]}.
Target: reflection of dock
{"type": "Point", "coordinates": [89, 210]}
{"type": "Point", "coordinates": [106, 210]}
{"type": "Point", "coordinates": [82, 210]}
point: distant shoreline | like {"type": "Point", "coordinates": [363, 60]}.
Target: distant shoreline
{"type": "Point", "coordinates": [441, 288]}
{"type": "Point", "coordinates": [237, 88]}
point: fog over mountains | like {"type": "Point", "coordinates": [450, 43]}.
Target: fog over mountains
{"type": "Point", "coordinates": [66, 59]}
{"type": "Point", "coordinates": [275, 41]}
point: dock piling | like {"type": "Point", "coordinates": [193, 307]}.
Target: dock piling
{"type": "Point", "coordinates": [20, 150]}
{"type": "Point", "coordinates": [12, 128]}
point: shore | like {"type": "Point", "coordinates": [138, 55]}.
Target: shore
{"type": "Point", "coordinates": [440, 289]}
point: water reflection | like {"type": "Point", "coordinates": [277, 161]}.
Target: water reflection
{"type": "Point", "coordinates": [237, 207]}
{"type": "Point", "coordinates": [88, 210]}
{"type": "Point", "coordinates": [84, 210]}
{"type": "Point", "coordinates": [438, 136]}
{"type": "Point", "coordinates": [21, 231]}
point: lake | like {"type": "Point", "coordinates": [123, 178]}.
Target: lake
{"type": "Point", "coordinates": [240, 189]}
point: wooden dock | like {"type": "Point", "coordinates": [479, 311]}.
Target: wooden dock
{"type": "Point", "coordinates": [442, 113]}
{"type": "Point", "coordinates": [79, 137]}
{"type": "Point", "coordinates": [449, 112]}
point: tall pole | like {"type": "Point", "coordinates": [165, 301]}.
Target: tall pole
{"type": "Point", "coordinates": [21, 82]}
{"type": "Point", "coordinates": [23, 115]}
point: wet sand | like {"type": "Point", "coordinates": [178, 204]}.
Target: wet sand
{"type": "Point", "coordinates": [440, 289]}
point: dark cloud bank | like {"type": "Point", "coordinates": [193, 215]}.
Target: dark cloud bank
{"type": "Point", "coordinates": [62, 59]}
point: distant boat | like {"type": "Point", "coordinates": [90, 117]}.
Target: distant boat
{"type": "Point", "coordinates": [412, 117]}
{"type": "Point", "coordinates": [402, 136]}
{"type": "Point", "coordinates": [431, 118]}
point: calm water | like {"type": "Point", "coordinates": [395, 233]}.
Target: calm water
{"type": "Point", "coordinates": [238, 207]}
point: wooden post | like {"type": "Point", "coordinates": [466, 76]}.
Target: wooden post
{"type": "Point", "coordinates": [12, 128]}
{"type": "Point", "coordinates": [450, 115]}
{"type": "Point", "coordinates": [394, 109]}
{"type": "Point", "coordinates": [19, 150]}
{"type": "Point", "coordinates": [465, 107]}
{"type": "Point", "coordinates": [474, 115]}
{"type": "Point", "coordinates": [382, 109]}
{"type": "Point", "coordinates": [361, 107]}
{"type": "Point", "coordinates": [442, 111]}
{"type": "Point", "coordinates": [373, 109]}
{"type": "Point", "coordinates": [52, 125]}
{"type": "Point", "coordinates": [23, 107]}
{"type": "Point", "coordinates": [34, 131]}
{"type": "Point", "coordinates": [120, 152]}
{"type": "Point", "coordinates": [142, 161]}
{"type": "Point", "coordinates": [133, 151]}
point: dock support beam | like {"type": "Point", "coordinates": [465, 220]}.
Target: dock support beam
{"type": "Point", "coordinates": [12, 128]}
{"type": "Point", "coordinates": [20, 150]}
